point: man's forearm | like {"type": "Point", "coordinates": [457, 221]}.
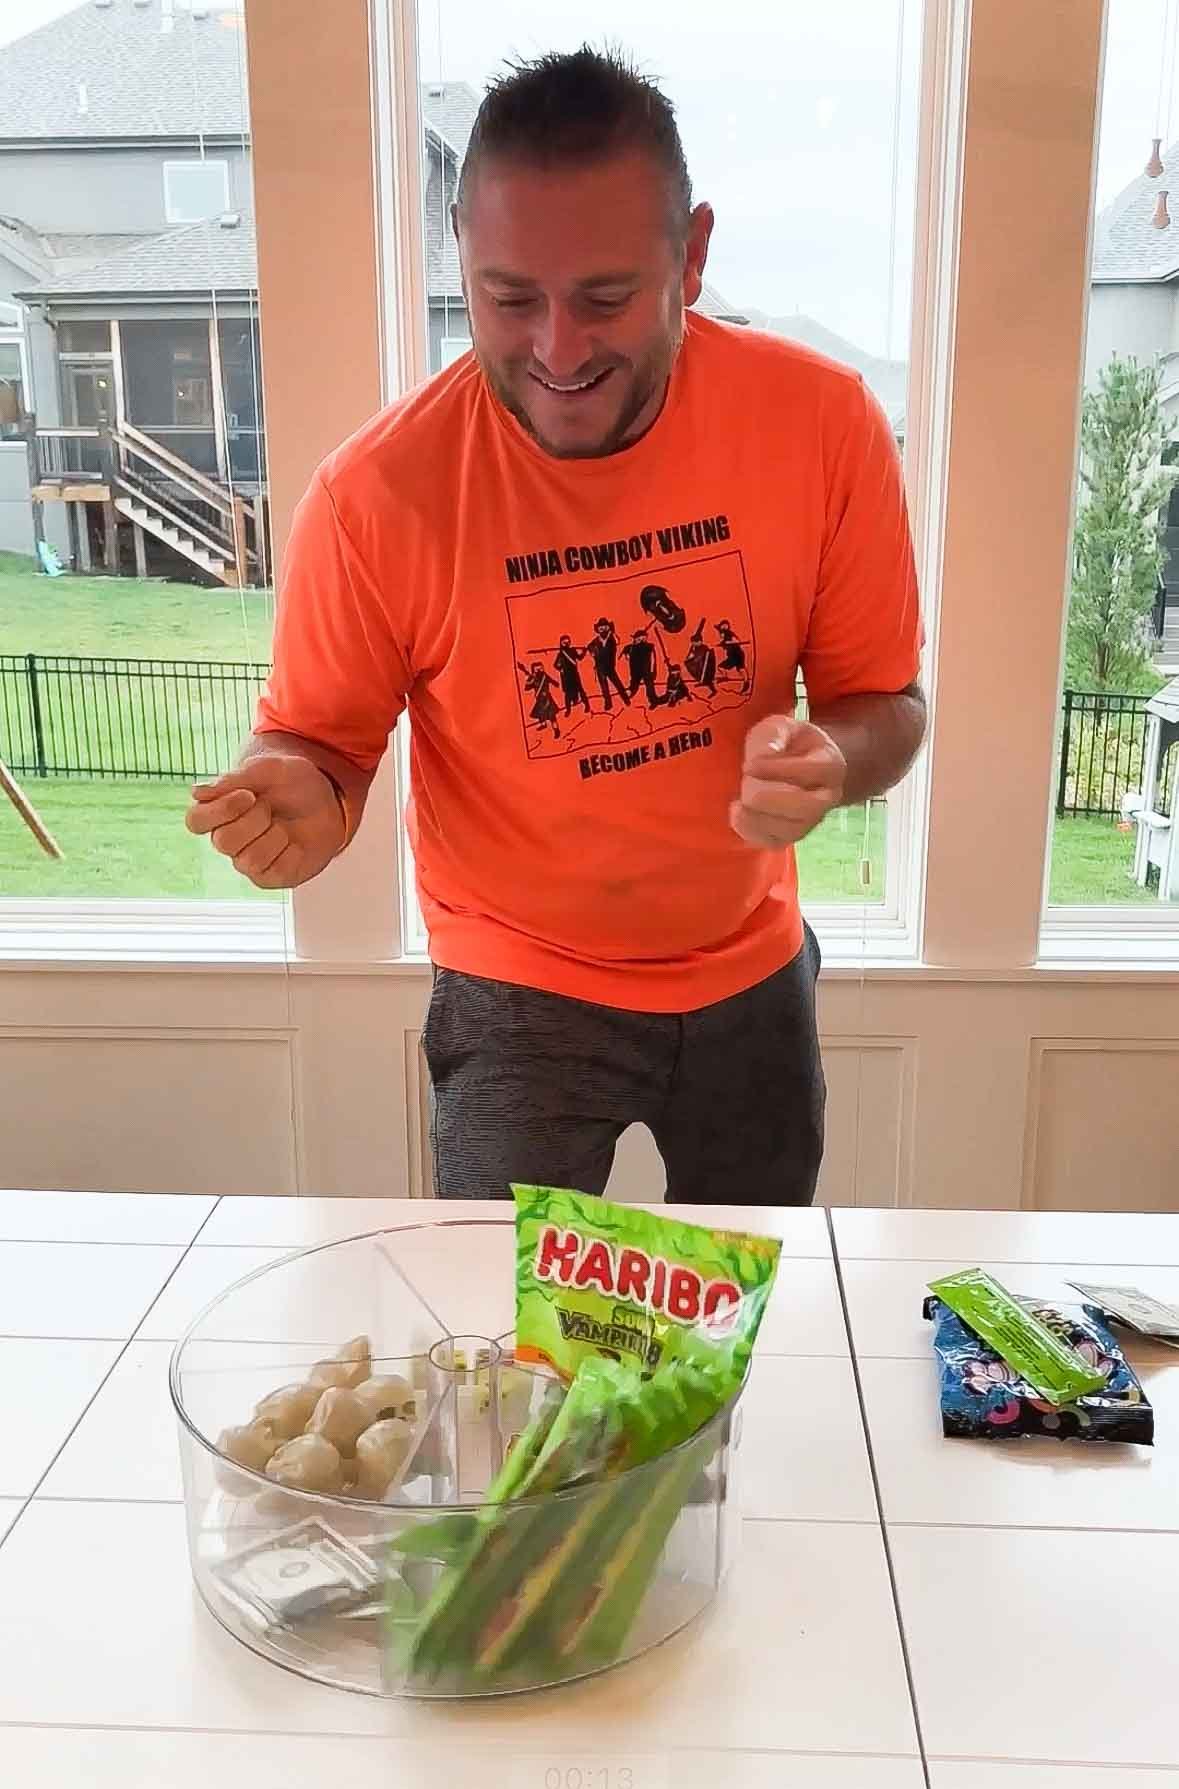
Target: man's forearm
{"type": "Point", "coordinates": [353, 783]}
{"type": "Point", "coordinates": [878, 735]}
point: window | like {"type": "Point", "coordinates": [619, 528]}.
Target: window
{"type": "Point", "coordinates": [1114, 795]}
{"type": "Point", "coordinates": [194, 191]}
{"type": "Point", "coordinates": [805, 143]}
{"type": "Point", "coordinates": [12, 383]}
{"type": "Point", "coordinates": [84, 338]}
{"type": "Point", "coordinates": [136, 670]}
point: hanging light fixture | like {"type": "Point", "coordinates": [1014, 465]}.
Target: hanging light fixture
{"type": "Point", "coordinates": [1162, 217]}
{"type": "Point", "coordinates": [1154, 166]}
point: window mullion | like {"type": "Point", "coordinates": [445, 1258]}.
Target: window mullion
{"type": "Point", "coordinates": [1022, 283]}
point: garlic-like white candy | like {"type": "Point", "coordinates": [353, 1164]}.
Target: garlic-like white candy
{"type": "Point", "coordinates": [380, 1454]}
{"type": "Point", "coordinates": [288, 1411]}
{"type": "Point", "coordinates": [340, 1416]}
{"type": "Point", "coordinates": [350, 1366]}
{"type": "Point", "coordinates": [308, 1463]}
{"type": "Point", "coordinates": [250, 1445]}
{"type": "Point", "coordinates": [388, 1395]}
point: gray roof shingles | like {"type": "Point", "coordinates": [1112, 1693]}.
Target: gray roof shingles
{"type": "Point", "coordinates": [1126, 244]}
{"type": "Point", "coordinates": [144, 81]}
{"type": "Point", "coordinates": [193, 258]}
{"type": "Point", "coordinates": [141, 79]}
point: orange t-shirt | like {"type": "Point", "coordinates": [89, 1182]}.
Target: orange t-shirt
{"type": "Point", "coordinates": [583, 646]}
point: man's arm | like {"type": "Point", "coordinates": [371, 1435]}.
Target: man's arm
{"type": "Point", "coordinates": [294, 802]}
{"type": "Point", "coordinates": [795, 772]}
{"type": "Point", "coordinates": [878, 736]}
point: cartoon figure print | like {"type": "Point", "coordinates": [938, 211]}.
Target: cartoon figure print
{"type": "Point", "coordinates": [539, 684]}
{"type": "Point", "coordinates": [621, 672]}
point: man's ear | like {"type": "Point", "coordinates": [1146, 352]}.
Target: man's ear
{"type": "Point", "coordinates": [700, 226]}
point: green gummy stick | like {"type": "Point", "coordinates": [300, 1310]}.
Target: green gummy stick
{"type": "Point", "coordinates": [1049, 1365]}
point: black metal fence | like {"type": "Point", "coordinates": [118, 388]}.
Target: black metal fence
{"type": "Point", "coordinates": [162, 719]}
{"type": "Point", "coordinates": [1102, 754]}
{"type": "Point", "coordinates": [177, 719]}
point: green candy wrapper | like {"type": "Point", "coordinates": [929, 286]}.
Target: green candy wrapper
{"type": "Point", "coordinates": [1018, 1336]}
{"type": "Point", "coordinates": [650, 1323]}
{"type": "Point", "coordinates": [607, 1280]}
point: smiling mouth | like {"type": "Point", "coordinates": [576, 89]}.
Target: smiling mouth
{"type": "Point", "coordinates": [572, 388]}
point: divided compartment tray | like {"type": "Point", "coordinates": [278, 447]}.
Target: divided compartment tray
{"type": "Point", "coordinates": [330, 1583]}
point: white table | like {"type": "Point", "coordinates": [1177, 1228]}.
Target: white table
{"type": "Point", "coordinates": [111, 1672]}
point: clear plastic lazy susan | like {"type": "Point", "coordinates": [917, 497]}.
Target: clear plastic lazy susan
{"type": "Point", "coordinates": [342, 1413]}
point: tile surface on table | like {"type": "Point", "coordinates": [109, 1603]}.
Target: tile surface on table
{"type": "Point", "coordinates": [126, 1444]}
{"type": "Point", "coordinates": [807, 1611]}
{"type": "Point", "coordinates": [96, 1290]}
{"type": "Point", "coordinates": [1019, 1236]}
{"type": "Point", "coordinates": [1023, 1480]}
{"type": "Point", "coordinates": [204, 1273]}
{"type": "Point", "coordinates": [1068, 1656]}
{"type": "Point", "coordinates": [102, 1217]}
{"type": "Point", "coordinates": [885, 1298]}
{"type": "Point", "coordinates": [44, 1388]}
{"type": "Point", "coordinates": [1008, 1775]}
{"type": "Point", "coordinates": [290, 1223]}
{"type": "Point", "coordinates": [106, 1760]}
{"type": "Point", "coordinates": [10, 1508]}
{"type": "Point", "coordinates": [821, 1475]}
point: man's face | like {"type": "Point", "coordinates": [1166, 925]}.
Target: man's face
{"type": "Point", "coordinates": [576, 287]}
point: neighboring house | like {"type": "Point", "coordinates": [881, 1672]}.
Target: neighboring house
{"type": "Point", "coordinates": [131, 421]}
{"type": "Point", "coordinates": [126, 242]}
{"type": "Point", "coordinates": [128, 305]}
{"type": "Point", "coordinates": [1134, 311]}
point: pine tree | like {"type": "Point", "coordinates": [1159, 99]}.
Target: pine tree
{"type": "Point", "coordinates": [1118, 555]}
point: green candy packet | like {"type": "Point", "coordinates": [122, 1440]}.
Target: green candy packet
{"type": "Point", "coordinates": [1049, 1365]}
{"type": "Point", "coordinates": [594, 1279]}
{"type": "Point", "coordinates": [650, 1323]}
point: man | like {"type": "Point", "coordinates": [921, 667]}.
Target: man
{"type": "Point", "coordinates": [701, 661]}
{"type": "Point", "coordinates": [659, 970]}
{"type": "Point", "coordinates": [603, 649]}
{"type": "Point", "coordinates": [566, 663]}
{"type": "Point", "coordinates": [639, 654]}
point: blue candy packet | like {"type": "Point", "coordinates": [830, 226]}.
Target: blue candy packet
{"type": "Point", "coordinates": [984, 1398]}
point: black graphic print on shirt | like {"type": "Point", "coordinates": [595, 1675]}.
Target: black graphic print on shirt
{"type": "Point", "coordinates": [619, 660]}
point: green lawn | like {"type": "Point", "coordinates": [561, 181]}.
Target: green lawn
{"type": "Point", "coordinates": [1092, 862]}
{"type": "Point", "coordinates": [126, 838]}
{"type": "Point", "coordinates": [829, 860]}
{"type": "Point", "coordinates": [129, 617]}
{"type": "Point", "coordinates": [120, 839]}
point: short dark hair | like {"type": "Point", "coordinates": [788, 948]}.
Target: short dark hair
{"type": "Point", "coordinates": [578, 107]}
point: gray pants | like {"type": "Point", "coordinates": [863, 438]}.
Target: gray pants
{"type": "Point", "coordinates": [536, 1088]}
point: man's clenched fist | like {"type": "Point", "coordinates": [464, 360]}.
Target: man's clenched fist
{"type": "Point", "coordinates": [277, 817]}
{"type": "Point", "coordinates": [794, 774]}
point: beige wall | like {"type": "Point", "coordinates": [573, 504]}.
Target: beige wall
{"type": "Point", "coordinates": [1047, 1093]}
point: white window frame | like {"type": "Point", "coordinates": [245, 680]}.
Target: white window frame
{"type": "Point", "coordinates": [969, 905]}
{"type": "Point", "coordinates": [849, 931]}
{"type": "Point", "coordinates": [13, 334]}
{"type": "Point", "coordinates": [452, 348]}
{"type": "Point", "coordinates": [172, 212]}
